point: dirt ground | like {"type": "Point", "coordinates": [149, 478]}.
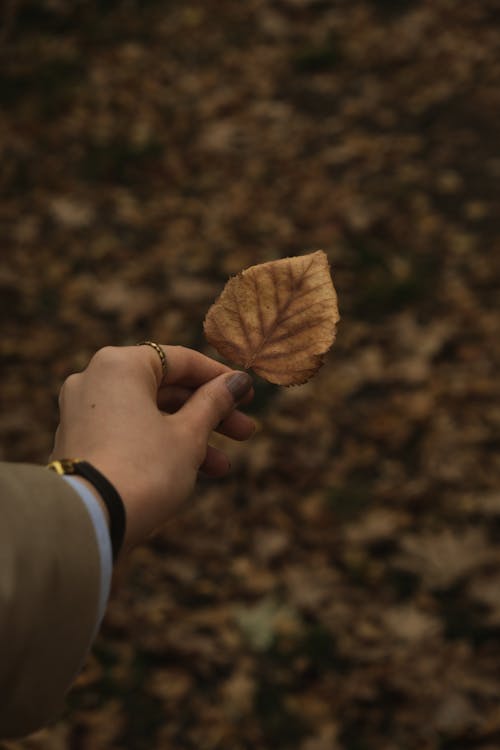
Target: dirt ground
{"type": "Point", "coordinates": [341, 589]}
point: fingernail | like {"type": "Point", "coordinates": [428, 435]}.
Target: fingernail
{"type": "Point", "coordinates": [239, 384]}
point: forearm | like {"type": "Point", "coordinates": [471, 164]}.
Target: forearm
{"type": "Point", "coordinates": [49, 594]}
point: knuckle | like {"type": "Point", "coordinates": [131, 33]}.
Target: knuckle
{"type": "Point", "coordinates": [211, 397]}
{"type": "Point", "coordinates": [111, 358]}
{"type": "Point", "coordinates": [218, 404]}
{"type": "Point", "coordinates": [68, 387]}
{"type": "Point", "coordinates": [215, 402]}
{"type": "Point", "coordinates": [106, 355]}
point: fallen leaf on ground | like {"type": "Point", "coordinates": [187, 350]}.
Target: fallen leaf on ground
{"type": "Point", "coordinates": [278, 318]}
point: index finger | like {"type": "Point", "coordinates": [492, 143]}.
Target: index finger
{"type": "Point", "coordinates": [190, 368]}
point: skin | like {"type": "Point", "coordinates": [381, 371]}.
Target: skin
{"type": "Point", "coordinates": [149, 434]}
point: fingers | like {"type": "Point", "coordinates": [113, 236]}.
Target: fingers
{"type": "Point", "coordinates": [185, 367]}
{"type": "Point", "coordinates": [213, 403]}
{"type": "Point", "coordinates": [172, 397]}
{"type": "Point", "coordinates": [216, 463]}
{"type": "Point", "coordinates": [237, 425]}
{"type": "Point", "coordinates": [190, 368]}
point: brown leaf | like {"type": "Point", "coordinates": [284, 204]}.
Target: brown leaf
{"type": "Point", "coordinates": [278, 318]}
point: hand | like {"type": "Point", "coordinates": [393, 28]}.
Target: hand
{"type": "Point", "coordinates": [149, 434]}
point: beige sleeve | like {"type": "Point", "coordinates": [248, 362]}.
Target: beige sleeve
{"type": "Point", "coordinates": [49, 591]}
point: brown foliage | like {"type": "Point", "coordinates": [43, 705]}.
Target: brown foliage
{"type": "Point", "coordinates": [340, 589]}
{"type": "Point", "coordinates": [278, 318]}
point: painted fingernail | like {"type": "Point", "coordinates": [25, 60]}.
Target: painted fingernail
{"type": "Point", "coordinates": [239, 384]}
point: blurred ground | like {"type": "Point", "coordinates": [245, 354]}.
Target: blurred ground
{"type": "Point", "coordinates": [341, 591]}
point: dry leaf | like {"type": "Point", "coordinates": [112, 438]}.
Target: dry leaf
{"type": "Point", "coordinates": [278, 318]}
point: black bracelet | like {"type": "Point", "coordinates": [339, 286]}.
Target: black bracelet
{"type": "Point", "coordinates": [108, 494]}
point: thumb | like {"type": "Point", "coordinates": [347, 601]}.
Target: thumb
{"type": "Point", "coordinates": [214, 401]}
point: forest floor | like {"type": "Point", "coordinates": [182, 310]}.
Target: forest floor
{"type": "Point", "coordinates": [341, 589]}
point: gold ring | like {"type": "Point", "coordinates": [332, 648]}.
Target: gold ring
{"type": "Point", "coordinates": [159, 351]}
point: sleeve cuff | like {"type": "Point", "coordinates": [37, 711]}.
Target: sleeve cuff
{"type": "Point", "coordinates": [103, 542]}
